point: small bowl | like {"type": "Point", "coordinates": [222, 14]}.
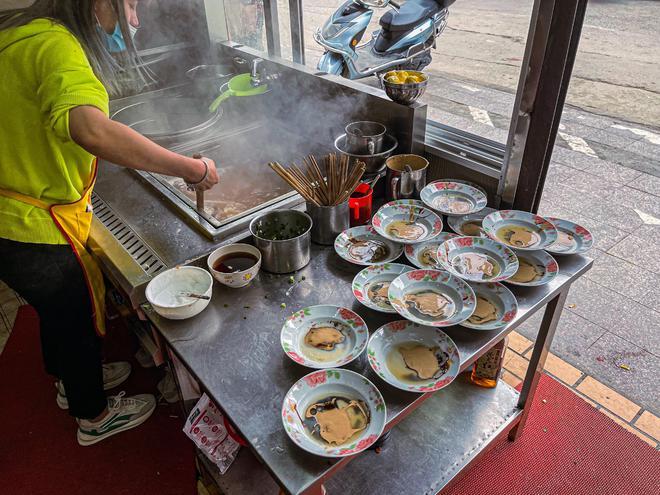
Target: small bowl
{"type": "Point", "coordinates": [406, 93]}
{"type": "Point", "coordinates": [389, 337]}
{"type": "Point", "coordinates": [540, 231]}
{"type": "Point", "coordinates": [461, 302]}
{"type": "Point", "coordinates": [360, 254]}
{"type": "Point", "coordinates": [545, 267]}
{"type": "Point", "coordinates": [429, 224]}
{"type": "Point", "coordinates": [410, 202]}
{"type": "Point", "coordinates": [453, 198]}
{"type": "Point", "coordinates": [419, 254]}
{"type": "Point", "coordinates": [166, 292]}
{"type": "Point", "coordinates": [377, 274]}
{"type": "Point", "coordinates": [505, 303]}
{"type": "Point", "coordinates": [296, 327]}
{"type": "Point", "coordinates": [457, 254]}
{"type": "Point", "coordinates": [327, 383]}
{"type": "Point", "coordinates": [571, 238]}
{"type": "Point", "coordinates": [235, 279]}
{"type": "Point", "coordinates": [469, 225]}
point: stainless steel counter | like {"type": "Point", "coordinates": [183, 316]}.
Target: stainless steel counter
{"type": "Point", "coordinates": [233, 349]}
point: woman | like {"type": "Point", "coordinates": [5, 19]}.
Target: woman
{"type": "Point", "coordinates": [56, 69]}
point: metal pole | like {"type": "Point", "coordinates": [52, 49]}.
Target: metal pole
{"type": "Point", "coordinates": [552, 43]}
{"type": "Point", "coordinates": [537, 360]}
{"type": "Point", "coordinates": [297, 32]}
{"type": "Point", "coordinates": [272, 28]}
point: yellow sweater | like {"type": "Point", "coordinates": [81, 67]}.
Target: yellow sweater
{"type": "Point", "coordinates": [44, 73]}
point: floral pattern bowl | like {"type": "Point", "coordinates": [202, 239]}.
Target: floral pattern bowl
{"type": "Point", "coordinates": [477, 259]}
{"type": "Point", "coordinates": [453, 198]}
{"type": "Point", "coordinates": [469, 225]}
{"type": "Point", "coordinates": [571, 237]}
{"type": "Point", "coordinates": [319, 385]}
{"type": "Point", "coordinates": [407, 224]}
{"type": "Point", "coordinates": [409, 202]}
{"type": "Point", "coordinates": [385, 358]}
{"type": "Point", "coordinates": [496, 307]}
{"type": "Point", "coordinates": [298, 325]}
{"type": "Point", "coordinates": [371, 285]}
{"type": "Point", "coordinates": [364, 246]}
{"type": "Point", "coordinates": [535, 268]}
{"type": "Point", "coordinates": [519, 229]}
{"type": "Point", "coordinates": [425, 254]}
{"type": "Point", "coordinates": [457, 296]}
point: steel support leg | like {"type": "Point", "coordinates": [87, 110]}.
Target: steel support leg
{"type": "Point", "coordinates": [537, 361]}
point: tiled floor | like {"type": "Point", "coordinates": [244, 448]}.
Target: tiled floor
{"type": "Point", "coordinates": [9, 304]}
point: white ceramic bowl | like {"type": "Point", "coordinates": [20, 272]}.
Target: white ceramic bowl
{"type": "Point", "coordinates": [166, 292]}
{"type": "Point", "coordinates": [236, 279]}
{"type": "Point", "coordinates": [327, 383]}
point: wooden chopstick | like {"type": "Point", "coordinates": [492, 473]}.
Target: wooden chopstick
{"type": "Point", "coordinates": [331, 189]}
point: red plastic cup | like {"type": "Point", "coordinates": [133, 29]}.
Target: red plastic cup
{"type": "Point", "coordinates": [360, 204]}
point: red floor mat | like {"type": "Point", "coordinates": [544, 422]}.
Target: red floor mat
{"type": "Point", "coordinates": [39, 453]}
{"type": "Point", "coordinates": [567, 448]}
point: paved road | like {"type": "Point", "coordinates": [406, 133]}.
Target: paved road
{"type": "Point", "coordinates": [616, 71]}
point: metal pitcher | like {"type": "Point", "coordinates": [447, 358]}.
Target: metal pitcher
{"type": "Point", "coordinates": [406, 176]}
{"type": "Point", "coordinates": [365, 137]}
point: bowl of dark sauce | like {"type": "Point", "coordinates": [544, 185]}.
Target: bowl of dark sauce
{"type": "Point", "coordinates": [235, 265]}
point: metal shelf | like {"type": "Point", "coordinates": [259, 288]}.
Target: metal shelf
{"type": "Point", "coordinates": [428, 448]}
{"type": "Point", "coordinates": [424, 452]}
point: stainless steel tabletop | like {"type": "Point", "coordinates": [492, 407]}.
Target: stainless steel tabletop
{"type": "Point", "coordinates": [233, 349]}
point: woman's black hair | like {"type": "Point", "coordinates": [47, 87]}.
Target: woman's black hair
{"type": "Point", "coordinates": [79, 18]}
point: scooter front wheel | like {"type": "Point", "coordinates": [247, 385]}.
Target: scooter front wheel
{"type": "Point", "coordinates": [332, 63]}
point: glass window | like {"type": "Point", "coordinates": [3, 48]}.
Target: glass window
{"type": "Point", "coordinates": [246, 23]}
{"type": "Point", "coordinates": [474, 66]}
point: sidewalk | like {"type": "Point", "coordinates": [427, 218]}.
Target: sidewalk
{"type": "Point", "coordinates": [603, 175]}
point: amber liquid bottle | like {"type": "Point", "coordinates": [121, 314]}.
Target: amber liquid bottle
{"type": "Point", "coordinates": [488, 368]}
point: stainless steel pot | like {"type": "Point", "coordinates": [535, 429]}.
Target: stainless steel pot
{"type": "Point", "coordinates": [376, 162]}
{"type": "Point", "coordinates": [365, 137]}
{"type": "Point", "coordinates": [287, 255]}
{"type": "Point", "coordinates": [328, 222]}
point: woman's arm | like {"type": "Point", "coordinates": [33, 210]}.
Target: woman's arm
{"type": "Point", "coordinates": [90, 128]}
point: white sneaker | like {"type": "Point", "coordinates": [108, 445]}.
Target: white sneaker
{"type": "Point", "coordinates": [124, 413]}
{"type": "Point", "coordinates": [114, 374]}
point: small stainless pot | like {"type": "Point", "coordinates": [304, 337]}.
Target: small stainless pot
{"type": "Point", "coordinates": [329, 222]}
{"type": "Point", "coordinates": [288, 255]}
{"type": "Point", "coordinates": [365, 137]}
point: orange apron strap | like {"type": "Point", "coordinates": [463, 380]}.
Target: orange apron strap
{"type": "Point", "coordinates": [37, 203]}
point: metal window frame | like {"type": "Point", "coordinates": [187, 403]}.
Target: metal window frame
{"type": "Point", "coordinates": [522, 164]}
{"type": "Point", "coordinates": [297, 31]}
{"type": "Point", "coordinates": [272, 24]}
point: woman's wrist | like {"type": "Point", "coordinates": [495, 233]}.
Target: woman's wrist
{"type": "Point", "coordinates": [195, 170]}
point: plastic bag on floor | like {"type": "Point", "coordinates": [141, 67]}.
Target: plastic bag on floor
{"type": "Point", "coordinates": [205, 426]}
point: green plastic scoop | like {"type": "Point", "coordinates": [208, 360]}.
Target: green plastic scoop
{"type": "Point", "coordinates": [240, 85]}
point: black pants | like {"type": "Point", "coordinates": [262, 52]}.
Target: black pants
{"type": "Point", "coordinates": [51, 280]}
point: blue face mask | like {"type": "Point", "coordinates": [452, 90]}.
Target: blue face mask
{"type": "Point", "coordinates": [114, 42]}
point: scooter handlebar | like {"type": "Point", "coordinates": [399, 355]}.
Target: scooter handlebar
{"type": "Point", "coordinates": [395, 4]}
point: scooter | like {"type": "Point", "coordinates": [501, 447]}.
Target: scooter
{"type": "Point", "coordinates": [404, 41]}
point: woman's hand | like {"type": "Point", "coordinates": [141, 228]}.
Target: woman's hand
{"type": "Point", "coordinates": [198, 173]}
